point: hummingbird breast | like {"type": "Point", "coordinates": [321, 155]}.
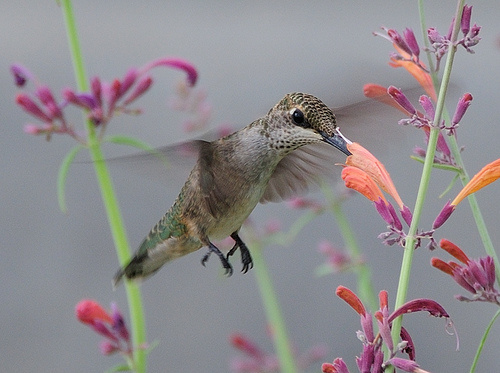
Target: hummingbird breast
{"type": "Point", "coordinates": [227, 183]}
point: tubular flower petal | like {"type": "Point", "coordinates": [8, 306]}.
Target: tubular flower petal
{"type": "Point", "coordinates": [379, 93]}
{"type": "Point", "coordinates": [178, 63]}
{"type": "Point", "coordinates": [88, 311]}
{"type": "Point", "coordinates": [338, 366]}
{"type": "Point", "coordinates": [421, 76]}
{"type": "Point", "coordinates": [402, 100]}
{"type": "Point", "coordinates": [433, 307]}
{"type": "Point", "coordinates": [442, 266]}
{"type": "Point", "coordinates": [487, 175]}
{"type": "Point", "coordinates": [361, 182]}
{"type": "Point", "coordinates": [350, 298]}
{"type": "Point", "coordinates": [363, 159]}
{"type": "Point", "coordinates": [245, 345]}
{"type": "Point", "coordinates": [454, 250]}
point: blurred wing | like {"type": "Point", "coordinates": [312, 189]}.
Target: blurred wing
{"type": "Point", "coordinates": [300, 169]}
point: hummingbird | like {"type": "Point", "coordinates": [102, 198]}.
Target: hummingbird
{"type": "Point", "coordinates": [272, 159]}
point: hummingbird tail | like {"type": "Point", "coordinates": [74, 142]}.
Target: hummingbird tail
{"type": "Point", "coordinates": [140, 267]}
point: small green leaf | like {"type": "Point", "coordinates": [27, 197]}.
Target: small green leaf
{"type": "Point", "coordinates": [130, 141]}
{"type": "Point", "coordinates": [452, 183]}
{"type": "Point", "coordinates": [62, 175]}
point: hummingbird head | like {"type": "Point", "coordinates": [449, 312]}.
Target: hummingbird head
{"type": "Point", "coordinates": [308, 120]}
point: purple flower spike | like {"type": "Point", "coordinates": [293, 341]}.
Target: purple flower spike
{"type": "Point", "coordinates": [96, 88]}
{"type": "Point", "coordinates": [46, 97]}
{"type": "Point", "coordinates": [141, 88]}
{"type": "Point", "coordinates": [177, 63]}
{"type": "Point", "coordinates": [30, 107]}
{"type": "Point", "coordinates": [119, 323]}
{"type": "Point", "coordinates": [101, 328]}
{"type": "Point", "coordinates": [434, 36]}
{"type": "Point", "coordinates": [410, 346]}
{"type": "Point", "coordinates": [404, 364]}
{"type": "Point", "coordinates": [427, 105]}
{"type": "Point", "coordinates": [108, 348]}
{"type": "Point", "coordinates": [411, 41]}
{"type": "Point", "coordinates": [397, 39]}
{"type": "Point", "coordinates": [32, 129]}
{"type": "Point", "coordinates": [21, 74]}
{"type": "Point", "coordinates": [384, 212]}
{"type": "Point", "coordinates": [442, 146]}
{"type": "Point", "coordinates": [406, 214]}
{"type": "Point", "coordinates": [128, 81]}
{"type": "Point", "coordinates": [401, 100]}
{"type": "Point", "coordinates": [474, 31]}
{"type": "Point", "coordinates": [443, 215]}
{"type": "Point", "coordinates": [465, 23]}
{"type": "Point", "coordinates": [433, 307]}
{"type": "Point", "coordinates": [397, 223]}
{"type": "Point", "coordinates": [462, 106]}
{"type": "Point", "coordinates": [338, 366]}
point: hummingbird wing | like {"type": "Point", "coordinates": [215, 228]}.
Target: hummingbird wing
{"type": "Point", "coordinates": [300, 169]}
{"type": "Point", "coordinates": [213, 188]}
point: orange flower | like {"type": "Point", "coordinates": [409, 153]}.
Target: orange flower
{"type": "Point", "coordinates": [487, 175]}
{"type": "Point", "coordinates": [88, 311]}
{"type": "Point", "coordinates": [350, 298]}
{"type": "Point", "coordinates": [364, 160]}
{"type": "Point", "coordinates": [361, 182]}
{"type": "Point", "coordinates": [422, 77]}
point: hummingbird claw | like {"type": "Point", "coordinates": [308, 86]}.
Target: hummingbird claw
{"type": "Point", "coordinates": [246, 258]}
{"type": "Point", "coordinates": [225, 263]}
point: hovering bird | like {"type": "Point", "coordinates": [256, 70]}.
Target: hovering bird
{"type": "Point", "coordinates": [271, 159]}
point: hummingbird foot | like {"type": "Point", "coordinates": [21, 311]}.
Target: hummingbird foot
{"type": "Point", "coordinates": [225, 263]}
{"type": "Point", "coordinates": [246, 258]}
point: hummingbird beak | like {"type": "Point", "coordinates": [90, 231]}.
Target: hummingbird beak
{"type": "Point", "coordinates": [337, 140]}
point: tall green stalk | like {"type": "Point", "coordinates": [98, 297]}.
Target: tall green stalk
{"type": "Point", "coordinates": [108, 196]}
{"type": "Point", "coordinates": [273, 312]}
{"type": "Point", "coordinates": [404, 278]}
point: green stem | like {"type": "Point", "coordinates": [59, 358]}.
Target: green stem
{"type": "Point", "coordinates": [411, 241]}
{"type": "Point", "coordinates": [364, 281]}
{"type": "Point", "coordinates": [483, 342]}
{"type": "Point", "coordinates": [273, 311]}
{"type": "Point", "coordinates": [108, 196]}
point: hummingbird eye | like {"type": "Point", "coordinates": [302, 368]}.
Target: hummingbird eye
{"type": "Point", "coordinates": [298, 117]}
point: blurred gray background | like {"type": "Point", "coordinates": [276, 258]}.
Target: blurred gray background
{"type": "Point", "coordinates": [248, 54]}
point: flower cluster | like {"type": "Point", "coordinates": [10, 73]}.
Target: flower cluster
{"type": "Point", "coordinates": [441, 43]}
{"type": "Point", "coordinates": [368, 176]}
{"type": "Point", "coordinates": [475, 276]}
{"type": "Point", "coordinates": [426, 120]}
{"type": "Point", "coordinates": [371, 358]}
{"type": "Point", "coordinates": [112, 327]}
{"type": "Point", "coordinates": [406, 45]}
{"type": "Point", "coordinates": [102, 102]}
{"type": "Point", "coordinates": [258, 361]}
{"type": "Point", "coordinates": [407, 56]}
{"type": "Point", "coordinates": [408, 50]}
